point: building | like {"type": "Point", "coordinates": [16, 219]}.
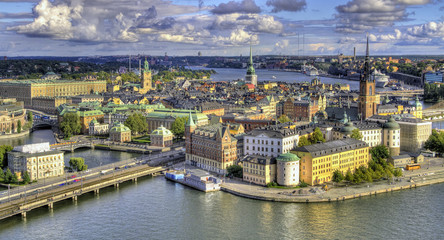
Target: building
{"type": "Point", "coordinates": [212, 108]}
{"type": "Point", "coordinates": [251, 76]}
{"type": "Point", "coordinates": [432, 77]}
{"type": "Point", "coordinates": [287, 169]}
{"type": "Point", "coordinates": [371, 132]}
{"type": "Point", "coordinates": [400, 161]}
{"type": "Point", "coordinates": [49, 104]}
{"type": "Point", "coordinates": [367, 96]}
{"type": "Point", "coordinates": [319, 161]}
{"type": "Point", "coordinates": [270, 141]}
{"type": "Point", "coordinates": [259, 170]}
{"type": "Point", "coordinates": [120, 133]}
{"type": "Point", "coordinates": [392, 136]}
{"type": "Point", "coordinates": [96, 128]}
{"type": "Point", "coordinates": [300, 110]}
{"type": "Point", "coordinates": [11, 113]}
{"type": "Point", "coordinates": [414, 134]}
{"type": "Point", "coordinates": [26, 90]}
{"type": "Point", "coordinates": [87, 98]}
{"type": "Point", "coordinates": [166, 117]}
{"type": "Point", "coordinates": [36, 159]}
{"type": "Point", "coordinates": [210, 147]}
{"type": "Point", "coordinates": [161, 137]}
{"type": "Point", "coordinates": [146, 81]}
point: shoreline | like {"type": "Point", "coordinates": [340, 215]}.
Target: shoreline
{"type": "Point", "coordinates": [335, 194]}
{"type": "Point", "coordinates": [15, 135]}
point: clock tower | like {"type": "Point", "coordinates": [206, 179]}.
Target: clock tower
{"type": "Point", "coordinates": [367, 96]}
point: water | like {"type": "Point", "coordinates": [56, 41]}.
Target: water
{"type": "Point", "coordinates": [158, 209]}
{"type": "Point", "coordinates": [34, 137]}
{"type": "Point", "coordinates": [95, 158]}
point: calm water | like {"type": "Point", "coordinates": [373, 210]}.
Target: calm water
{"type": "Point", "coordinates": [158, 209]}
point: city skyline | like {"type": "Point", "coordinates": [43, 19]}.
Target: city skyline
{"type": "Point", "coordinates": [225, 28]}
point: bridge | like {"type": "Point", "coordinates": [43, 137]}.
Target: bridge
{"type": "Point", "coordinates": [402, 93]}
{"type": "Point", "coordinates": [435, 112]}
{"type": "Point", "coordinates": [20, 201]}
{"type": "Point", "coordinates": [44, 123]}
{"type": "Point", "coordinates": [71, 146]}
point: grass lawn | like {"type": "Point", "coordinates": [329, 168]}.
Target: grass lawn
{"type": "Point", "coordinates": [142, 139]}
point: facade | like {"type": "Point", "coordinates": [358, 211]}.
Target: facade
{"type": "Point", "coordinates": [400, 161]}
{"type": "Point", "coordinates": [414, 133]}
{"type": "Point", "coordinates": [96, 128]}
{"type": "Point", "coordinates": [392, 136]}
{"type": "Point", "coordinates": [303, 110]}
{"type": "Point", "coordinates": [287, 169]}
{"type": "Point", "coordinates": [210, 147]}
{"type": "Point", "coordinates": [49, 104]}
{"type": "Point", "coordinates": [270, 141]}
{"type": "Point", "coordinates": [367, 96]}
{"type": "Point", "coordinates": [26, 90]}
{"type": "Point", "coordinates": [36, 159]}
{"type": "Point", "coordinates": [161, 137]}
{"type": "Point", "coordinates": [319, 161]}
{"type": "Point", "coordinates": [87, 98]}
{"type": "Point", "coordinates": [166, 117]}
{"type": "Point", "coordinates": [11, 113]}
{"type": "Point", "coordinates": [371, 132]}
{"type": "Point", "coordinates": [146, 81]}
{"type": "Point", "coordinates": [259, 170]}
{"type": "Point", "coordinates": [251, 76]}
{"type": "Point", "coordinates": [120, 133]}
{"type": "Point", "coordinates": [433, 77]}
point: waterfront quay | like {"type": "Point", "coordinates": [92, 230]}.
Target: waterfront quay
{"type": "Point", "coordinates": [19, 202]}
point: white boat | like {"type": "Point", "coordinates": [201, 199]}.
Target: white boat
{"type": "Point", "coordinates": [380, 79]}
{"type": "Point", "coordinates": [274, 77]}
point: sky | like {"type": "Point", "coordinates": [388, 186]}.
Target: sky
{"type": "Point", "coordinates": [223, 28]}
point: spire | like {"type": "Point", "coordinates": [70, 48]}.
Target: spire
{"type": "Point", "coordinates": [251, 55]}
{"type": "Point", "coordinates": [367, 63]}
{"type": "Point", "coordinates": [250, 67]}
{"type": "Point", "coordinates": [146, 66]}
{"type": "Point", "coordinates": [190, 122]}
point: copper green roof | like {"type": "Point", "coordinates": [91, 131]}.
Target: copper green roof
{"type": "Point", "coordinates": [162, 131]}
{"type": "Point", "coordinates": [288, 157]}
{"type": "Point", "coordinates": [119, 127]}
{"type": "Point", "coordinates": [348, 128]}
{"type": "Point", "coordinates": [391, 124]}
{"type": "Point", "coordinates": [250, 67]}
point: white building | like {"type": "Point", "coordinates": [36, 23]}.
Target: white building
{"type": "Point", "coordinates": [287, 169]}
{"type": "Point", "coordinates": [270, 141]}
{"type": "Point", "coordinates": [36, 159]}
{"type": "Point", "coordinates": [96, 128]}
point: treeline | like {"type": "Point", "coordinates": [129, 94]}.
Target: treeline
{"type": "Point", "coordinates": [433, 93]}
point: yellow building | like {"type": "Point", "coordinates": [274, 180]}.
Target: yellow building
{"type": "Point", "coordinates": [259, 169]}
{"type": "Point", "coordinates": [146, 81]}
{"type": "Point", "coordinates": [319, 161]}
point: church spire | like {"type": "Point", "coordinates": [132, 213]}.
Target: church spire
{"type": "Point", "coordinates": [250, 67]}
{"type": "Point", "coordinates": [190, 122]}
{"type": "Point", "coordinates": [146, 66]}
{"type": "Point", "coordinates": [366, 75]}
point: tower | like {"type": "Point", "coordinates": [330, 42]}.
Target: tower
{"type": "Point", "coordinates": [189, 129]}
{"type": "Point", "coordinates": [146, 83]}
{"type": "Point", "coordinates": [367, 96]}
{"type": "Point", "coordinates": [251, 76]}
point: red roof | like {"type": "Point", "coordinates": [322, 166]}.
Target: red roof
{"type": "Point", "coordinates": [249, 86]}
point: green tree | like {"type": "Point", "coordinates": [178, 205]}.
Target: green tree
{"type": "Point", "coordinates": [2, 174]}
{"type": "Point", "coordinates": [70, 125]}
{"type": "Point", "coordinates": [337, 176]}
{"type": "Point", "coordinates": [4, 149]}
{"type": "Point", "coordinates": [8, 176]}
{"type": "Point", "coordinates": [235, 171]}
{"type": "Point", "coordinates": [379, 154]}
{"type": "Point", "coordinates": [356, 134]}
{"type": "Point", "coordinates": [316, 136]}
{"type": "Point", "coordinates": [30, 117]}
{"type": "Point", "coordinates": [178, 127]}
{"type": "Point", "coordinates": [435, 142]}
{"type": "Point", "coordinates": [78, 164]}
{"type": "Point", "coordinates": [397, 172]}
{"type": "Point", "coordinates": [358, 176]}
{"type": "Point", "coordinates": [283, 119]}
{"type": "Point", "coordinates": [303, 141]}
{"type": "Point", "coordinates": [137, 123]}
{"type": "Point", "coordinates": [349, 176]}
{"type": "Point", "coordinates": [19, 126]}
{"type": "Point", "coordinates": [26, 178]}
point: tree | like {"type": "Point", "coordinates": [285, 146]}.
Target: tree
{"type": "Point", "coordinates": [26, 178]}
{"type": "Point", "coordinates": [435, 142]}
{"type": "Point", "coordinates": [78, 164]}
{"type": "Point", "coordinates": [70, 125]}
{"type": "Point", "coordinates": [283, 119]}
{"type": "Point", "coordinates": [137, 123]}
{"type": "Point", "coordinates": [8, 176]}
{"type": "Point", "coordinates": [349, 176]}
{"type": "Point", "coordinates": [2, 174]}
{"type": "Point", "coordinates": [303, 141]}
{"type": "Point", "coordinates": [337, 176]}
{"type": "Point", "coordinates": [178, 127]}
{"type": "Point", "coordinates": [316, 136]}
{"type": "Point", "coordinates": [235, 171]}
{"type": "Point", "coordinates": [30, 117]}
{"type": "Point", "coordinates": [379, 154]}
{"type": "Point", "coordinates": [19, 126]}
{"type": "Point", "coordinates": [358, 176]}
{"type": "Point", "coordinates": [4, 149]}
{"type": "Point", "coordinates": [356, 134]}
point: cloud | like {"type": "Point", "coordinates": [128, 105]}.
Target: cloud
{"type": "Point", "coordinates": [287, 5]}
{"type": "Point", "coordinates": [237, 37]}
{"type": "Point", "coordinates": [164, 37]}
{"type": "Point", "coordinates": [245, 6]}
{"type": "Point", "coordinates": [16, 15]}
{"type": "Point", "coordinates": [251, 22]}
{"type": "Point", "coordinates": [362, 15]}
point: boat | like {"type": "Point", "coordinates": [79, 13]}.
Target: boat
{"type": "Point", "coordinates": [313, 72]}
{"type": "Point", "coordinates": [195, 178]}
{"type": "Point", "coordinates": [380, 79]}
{"type": "Point", "coordinates": [274, 77]}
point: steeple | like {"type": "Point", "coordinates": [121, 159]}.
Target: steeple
{"type": "Point", "coordinates": [190, 122]}
{"type": "Point", "coordinates": [146, 67]}
{"type": "Point", "coordinates": [250, 67]}
{"type": "Point", "coordinates": [366, 75]}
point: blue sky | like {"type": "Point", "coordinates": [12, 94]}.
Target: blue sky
{"type": "Point", "coordinates": [184, 27]}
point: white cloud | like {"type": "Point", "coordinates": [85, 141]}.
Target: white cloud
{"type": "Point", "coordinates": [237, 37]}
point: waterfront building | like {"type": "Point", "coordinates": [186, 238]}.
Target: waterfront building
{"type": "Point", "coordinates": [49, 104]}
{"type": "Point", "coordinates": [319, 161]}
{"type": "Point", "coordinates": [414, 133]}
{"type": "Point", "coordinates": [36, 159]}
{"type": "Point", "coordinates": [287, 169]}
{"type": "Point", "coordinates": [96, 128]}
{"type": "Point", "coordinates": [400, 161]}
{"type": "Point", "coordinates": [26, 90]}
{"type": "Point", "coordinates": [251, 76]}
{"type": "Point", "coordinates": [211, 147]}
{"type": "Point", "coordinates": [120, 133]}
{"type": "Point", "coordinates": [259, 170]}
{"type": "Point", "coordinates": [392, 136]}
{"type": "Point", "coordinates": [161, 137]}
{"type": "Point", "coordinates": [271, 140]}
{"type": "Point", "coordinates": [11, 113]}
{"type": "Point", "coordinates": [367, 96]}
